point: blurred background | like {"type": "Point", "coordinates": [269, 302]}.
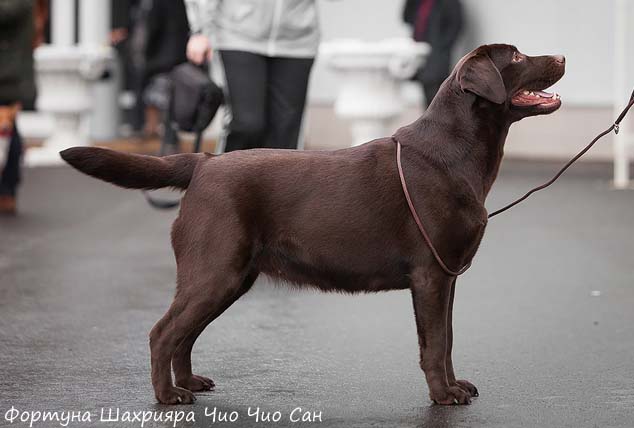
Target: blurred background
{"type": "Point", "coordinates": [598, 79]}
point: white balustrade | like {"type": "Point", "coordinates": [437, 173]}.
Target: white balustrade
{"type": "Point", "coordinates": [372, 74]}
{"type": "Point", "coordinates": [66, 73]}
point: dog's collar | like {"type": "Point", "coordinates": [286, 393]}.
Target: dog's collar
{"type": "Point", "coordinates": [421, 228]}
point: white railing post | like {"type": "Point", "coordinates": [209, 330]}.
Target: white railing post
{"type": "Point", "coordinates": [622, 140]}
{"type": "Point", "coordinates": [94, 23]}
{"type": "Point", "coordinates": [372, 74]}
{"type": "Point", "coordinates": [63, 22]}
{"type": "Point", "coordinates": [94, 36]}
{"type": "Point", "coordinates": [65, 73]}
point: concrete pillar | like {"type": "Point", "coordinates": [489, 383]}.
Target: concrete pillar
{"type": "Point", "coordinates": [66, 73]}
{"type": "Point", "coordinates": [372, 74]}
{"type": "Point", "coordinates": [94, 22]}
{"type": "Point", "coordinates": [63, 22]}
{"type": "Point", "coordinates": [94, 35]}
{"type": "Point", "coordinates": [622, 87]}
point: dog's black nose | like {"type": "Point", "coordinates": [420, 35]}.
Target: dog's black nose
{"type": "Point", "coordinates": [560, 59]}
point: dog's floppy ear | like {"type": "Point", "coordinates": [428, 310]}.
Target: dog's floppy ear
{"type": "Point", "coordinates": [480, 76]}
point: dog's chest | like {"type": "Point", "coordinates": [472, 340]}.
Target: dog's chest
{"type": "Point", "coordinates": [334, 275]}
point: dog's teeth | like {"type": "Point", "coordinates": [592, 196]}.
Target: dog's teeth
{"type": "Point", "coordinates": [532, 94]}
{"type": "Point", "coordinates": [526, 93]}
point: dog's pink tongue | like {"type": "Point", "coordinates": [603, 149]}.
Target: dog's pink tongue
{"type": "Point", "coordinates": [545, 94]}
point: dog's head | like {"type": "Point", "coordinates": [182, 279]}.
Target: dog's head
{"type": "Point", "coordinates": [506, 78]}
{"type": "Point", "coordinates": [7, 118]}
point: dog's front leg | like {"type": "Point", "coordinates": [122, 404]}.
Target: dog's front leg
{"type": "Point", "coordinates": [431, 292]}
{"type": "Point", "coordinates": [451, 377]}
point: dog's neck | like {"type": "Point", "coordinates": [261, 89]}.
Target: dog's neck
{"type": "Point", "coordinates": [473, 150]}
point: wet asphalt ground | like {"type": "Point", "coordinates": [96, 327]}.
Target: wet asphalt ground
{"type": "Point", "coordinates": [544, 321]}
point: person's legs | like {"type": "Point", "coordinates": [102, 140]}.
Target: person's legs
{"type": "Point", "coordinates": [246, 76]}
{"type": "Point", "coordinates": [11, 172]}
{"type": "Point", "coordinates": [10, 177]}
{"type": "Point", "coordinates": [287, 87]}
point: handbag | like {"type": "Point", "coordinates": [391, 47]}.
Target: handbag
{"type": "Point", "coordinates": [195, 97]}
{"type": "Point", "coordinates": [191, 100]}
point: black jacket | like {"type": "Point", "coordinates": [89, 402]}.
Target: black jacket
{"type": "Point", "coordinates": [443, 29]}
{"type": "Point", "coordinates": [17, 82]}
{"type": "Point", "coordinates": [167, 36]}
{"type": "Point", "coordinates": [122, 13]}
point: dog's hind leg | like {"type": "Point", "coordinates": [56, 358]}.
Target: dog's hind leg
{"type": "Point", "coordinates": [451, 377]}
{"type": "Point", "coordinates": [431, 292]}
{"type": "Point", "coordinates": [201, 293]}
{"type": "Point", "coordinates": [181, 361]}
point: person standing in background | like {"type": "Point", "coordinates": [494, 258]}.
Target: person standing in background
{"type": "Point", "coordinates": [439, 23]}
{"type": "Point", "coordinates": [267, 48]}
{"type": "Point", "coordinates": [123, 18]}
{"type": "Point", "coordinates": [167, 34]}
{"type": "Point", "coordinates": [122, 14]}
{"type": "Point", "coordinates": [21, 30]}
{"type": "Point", "coordinates": [167, 37]}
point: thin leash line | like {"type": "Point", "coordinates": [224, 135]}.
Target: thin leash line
{"type": "Point", "coordinates": [614, 127]}
{"type": "Point", "coordinates": [422, 229]}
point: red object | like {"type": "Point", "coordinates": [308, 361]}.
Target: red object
{"type": "Point", "coordinates": [422, 19]}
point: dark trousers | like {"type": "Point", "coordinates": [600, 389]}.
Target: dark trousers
{"type": "Point", "coordinates": [10, 177]}
{"type": "Point", "coordinates": [267, 97]}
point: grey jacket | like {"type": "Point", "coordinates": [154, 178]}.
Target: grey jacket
{"type": "Point", "coordinates": [274, 28]}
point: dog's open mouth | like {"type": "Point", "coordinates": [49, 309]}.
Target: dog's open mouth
{"type": "Point", "coordinates": [526, 98]}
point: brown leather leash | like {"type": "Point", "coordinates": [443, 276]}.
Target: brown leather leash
{"type": "Point", "coordinates": [615, 127]}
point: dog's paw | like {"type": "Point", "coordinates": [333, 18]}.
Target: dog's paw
{"type": "Point", "coordinates": [451, 395]}
{"type": "Point", "coordinates": [196, 383]}
{"type": "Point", "coordinates": [468, 387]}
{"type": "Point", "coordinates": [175, 395]}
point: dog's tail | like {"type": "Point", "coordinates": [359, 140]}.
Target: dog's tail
{"type": "Point", "coordinates": [134, 171]}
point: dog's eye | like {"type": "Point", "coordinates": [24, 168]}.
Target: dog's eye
{"type": "Point", "coordinates": [518, 57]}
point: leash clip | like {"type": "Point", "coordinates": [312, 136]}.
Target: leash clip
{"type": "Point", "coordinates": [617, 128]}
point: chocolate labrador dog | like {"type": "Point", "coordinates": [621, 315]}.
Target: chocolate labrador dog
{"type": "Point", "coordinates": [338, 220]}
